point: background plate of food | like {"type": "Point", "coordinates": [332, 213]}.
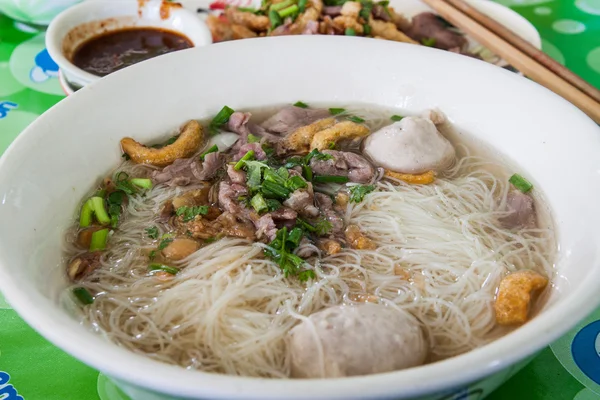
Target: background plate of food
{"type": "Point", "coordinates": [398, 20]}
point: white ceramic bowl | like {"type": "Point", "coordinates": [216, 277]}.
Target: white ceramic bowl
{"type": "Point", "coordinates": [57, 159]}
{"type": "Point", "coordinates": [36, 12]}
{"type": "Point", "coordinates": [91, 18]}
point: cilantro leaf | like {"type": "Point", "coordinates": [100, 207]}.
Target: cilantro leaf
{"type": "Point", "coordinates": [189, 213]}
{"type": "Point", "coordinates": [152, 232]}
{"type": "Point", "coordinates": [358, 192]}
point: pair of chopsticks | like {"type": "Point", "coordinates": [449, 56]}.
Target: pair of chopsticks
{"type": "Point", "coordinates": [532, 62]}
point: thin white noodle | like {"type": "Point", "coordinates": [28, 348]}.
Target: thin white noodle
{"type": "Point", "coordinates": [229, 309]}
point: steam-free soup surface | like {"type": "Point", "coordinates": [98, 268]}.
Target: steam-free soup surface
{"type": "Point", "coordinates": [116, 50]}
{"type": "Point", "coordinates": [309, 242]}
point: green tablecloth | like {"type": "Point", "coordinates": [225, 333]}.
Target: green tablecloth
{"type": "Point", "coordinates": [569, 369]}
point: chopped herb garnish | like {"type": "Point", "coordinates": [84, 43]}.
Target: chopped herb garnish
{"type": "Point", "coordinates": [189, 213]}
{"type": "Point", "coordinates": [520, 183]}
{"type": "Point", "coordinates": [275, 19]}
{"type": "Point", "coordinates": [274, 190]}
{"type": "Point", "coordinates": [349, 32]}
{"type": "Point", "coordinates": [99, 239]}
{"type": "Point", "coordinates": [86, 214]}
{"type": "Point", "coordinates": [247, 157]}
{"type": "Point", "coordinates": [396, 117]}
{"type": "Point", "coordinates": [306, 275]}
{"type": "Point", "coordinates": [126, 156]}
{"type": "Point", "coordinates": [358, 192]}
{"type": "Point", "coordinates": [365, 11]}
{"type": "Point", "coordinates": [281, 5]}
{"type": "Point", "coordinates": [317, 155]}
{"type": "Point", "coordinates": [367, 29]}
{"type": "Point", "coordinates": [258, 203]}
{"type": "Point", "coordinates": [253, 139]}
{"type": "Point", "coordinates": [331, 145]}
{"type": "Point", "coordinates": [83, 295]}
{"type": "Point", "coordinates": [301, 8]}
{"type": "Point", "coordinates": [356, 119]}
{"type": "Point", "coordinates": [307, 172]}
{"type": "Point", "coordinates": [286, 12]}
{"type": "Point", "coordinates": [143, 183]}
{"type": "Point", "coordinates": [164, 242]}
{"type": "Point", "coordinates": [247, 9]}
{"type": "Point", "coordinates": [429, 42]}
{"type": "Point", "coordinates": [152, 232]}
{"type": "Point", "coordinates": [124, 184]}
{"type": "Point", "coordinates": [213, 149]}
{"type": "Point", "coordinates": [273, 204]}
{"type": "Point", "coordinates": [155, 267]}
{"type": "Point", "coordinates": [221, 118]}
{"type": "Point", "coordinates": [295, 182]}
{"type": "Point", "coordinates": [330, 179]}
{"type": "Point", "coordinates": [336, 111]}
{"type": "Point", "coordinates": [100, 210]}
{"type": "Point", "coordinates": [322, 227]}
{"type": "Point", "coordinates": [281, 249]}
{"type": "Point", "coordinates": [115, 200]}
{"type": "Point", "coordinates": [299, 103]}
{"type": "Point", "coordinates": [152, 255]}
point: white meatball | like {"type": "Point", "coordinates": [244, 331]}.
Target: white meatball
{"type": "Point", "coordinates": [411, 146]}
{"type": "Point", "coordinates": [356, 340]}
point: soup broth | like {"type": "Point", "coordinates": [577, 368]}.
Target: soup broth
{"type": "Point", "coordinates": [225, 272]}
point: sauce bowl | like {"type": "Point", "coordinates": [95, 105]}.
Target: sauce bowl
{"type": "Point", "coordinates": [92, 18]}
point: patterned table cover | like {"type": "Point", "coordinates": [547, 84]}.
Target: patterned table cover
{"type": "Point", "coordinates": [33, 369]}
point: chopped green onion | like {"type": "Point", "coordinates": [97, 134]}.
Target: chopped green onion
{"type": "Point", "coordinates": [247, 9]}
{"type": "Point", "coordinates": [100, 193]}
{"type": "Point", "coordinates": [350, 32]}
{"type": "Point", "coordinates": [429, 42]}
{"type": "Point", "coordinates": [253, 139]}
{"type": "Point", "coordinates": [122, 176]}
{"type": "Point", "coordinates": [330, 179]}
{"type": "Point", "coordinates": [99, 239]}
{"type": "Point", "coordinates": [155, 267]}
{"type": "Point", "coordinates": [272, 189]}
{"type": "Point", "coordinates": [356, 119]}
{"type": "Point", "coordinates": [317, 155]}
{"type": "Point", "coordinates": [295, 183]}
{"type": "Point", "coordinates": [152, 232]}
{"type": "Point", "coordinates": [213, 149]}
{"type": "Point", "coordinates": [273, 176]}
{"type": "Point", "coordinates": [152, 255]}
{"type": "Point", "coordinates": [396, 117]}
{"type": "Point", "coordinates": [307, 172]}
{"type": "Point", "coordinates": [300, 104]}
{"type": "Point", "coordinates": [336, 111]}
{"type": "Point", "coordinates": [275, 19]}
{"type": "Point", "coordinates": [520, 183]}
{"type": "Point", "coordinates": [83, 295]}
{"type": "Point", "coordinates": [143, 183]}
{"type": "Point", "coordinates": [221, 118]}
{"type": "Point", "coordinates": [248, 156]}
{"type": "Point", "coordinates": [282, 5]}
{"type": "Point", "coordinates": [305, 225]}
{"type": "Point", "coordinates": [100, 210]}
{"type": "Point", "coordinates": [86, 214]}
{"type": "Point", "coordinates": [331, 146]}
{"type": "Point", "coordinates": [273, 204]}
{"type": "Point", "coordinates": [126, 186]}
{"type": "Point", "coordinates": [115, 199]}
{"type": "Point", "coordinates": [302, 5]}
{"type": "Point", "coordinates": [286, 12]}
{"type": "Point", "coordinates": [367, 29]}
{"type": "Point", "coordinates": [258, 203]}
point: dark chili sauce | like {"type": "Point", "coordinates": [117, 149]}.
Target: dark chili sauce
{"type": "Point", "coordinates": [116, 50]}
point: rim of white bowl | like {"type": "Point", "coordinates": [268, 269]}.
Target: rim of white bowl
{"type": "Point", "coordinates": [60, 329]}
{"type": "Point", "coordinates": [54, 39]}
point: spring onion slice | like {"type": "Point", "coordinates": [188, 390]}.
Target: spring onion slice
{"type": "Point", "coordinates": [248, 156]}
{"type": "Point", "coordinates": [282, 5]}
{"type": "Point", "coordinates": [521, 183]}
{"type": "Point", "coordinates": [99, 239]}
{"type": "Point", "coordinates": [155, 267]}
{"type": "Point", "coordinates": [356, 119]}
{"type": "Point", "coordinates": [100, 210]}
{"type": "Point", "coordinates": [286, 12]}
{"type": "Point", "coordinates": [213, 149]}
{"type": "Point", "coordinates": [87, 211]}
{"type": "Point", "coordinates": [258, 203]}
{"type": "Point", "coordinates": [396, 117]}
{"type": "Point", "coordinates": [302, 5]}
{"type": "Point", "coordinates": [300, 104]}
{"type": "Point", "coordinates": [83, 295]}
{"type": "Point", "coordinates": [330, 179]}
{"type": "Point", "coordinates": [275, 19]}
{"type": "Point", "coordinates": [143, 183]}
{"type": "Point", "coordinates": [336, 111]}
{"type": "Point", "coordinates": [350, 32]}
